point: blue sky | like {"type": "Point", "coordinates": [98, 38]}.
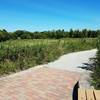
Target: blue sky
{"type": "Point", "coordinates": [40, 15]}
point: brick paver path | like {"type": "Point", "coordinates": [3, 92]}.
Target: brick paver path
{"type": "Point", "coordinates": [38, 84]}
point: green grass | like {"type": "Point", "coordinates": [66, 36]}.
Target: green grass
{"type": "Point", "coordinates": [16, 55]}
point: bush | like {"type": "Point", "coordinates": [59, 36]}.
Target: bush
{"type": "Point", "coordinates": [16, 55]}
{"type": "Point", "coordinates": [96, 71]}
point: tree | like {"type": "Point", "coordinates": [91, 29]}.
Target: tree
{"type": "Point", "coordinates": [4, 35]}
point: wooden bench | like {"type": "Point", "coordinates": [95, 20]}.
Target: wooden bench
{"type": "Point", "coordinates": [88, 94]}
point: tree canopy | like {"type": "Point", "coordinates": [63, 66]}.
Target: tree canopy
{"type": "Point", "coordinates": [54, 34]}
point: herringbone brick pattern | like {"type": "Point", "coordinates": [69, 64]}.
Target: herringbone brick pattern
{"type": "Point", "coordinates": [38, 84]}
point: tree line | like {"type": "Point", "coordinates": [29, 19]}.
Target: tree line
{"type": "Point", "coordinates": [54, 34]}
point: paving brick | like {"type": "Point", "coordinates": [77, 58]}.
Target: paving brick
{"type": "Point", "coordinates": [38, 84]}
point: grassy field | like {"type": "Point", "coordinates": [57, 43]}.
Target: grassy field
{"type": "Point", "coordinates": [16, 55]}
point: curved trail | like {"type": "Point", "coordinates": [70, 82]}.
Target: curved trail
{"type": "Point", "coordinates": [72, 61]}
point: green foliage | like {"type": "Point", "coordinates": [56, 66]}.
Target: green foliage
{"type": "Point", "coordinates": [58, 34]}
{"type": "Point", "coordinates": [4, 35]}
{"type": "Point", "coordinates": [16, 55]}
{"type": "Point", "coordinates": [96, 71]}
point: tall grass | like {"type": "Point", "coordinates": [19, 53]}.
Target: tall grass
{"type": "Point", "coordinates": [16, 55]}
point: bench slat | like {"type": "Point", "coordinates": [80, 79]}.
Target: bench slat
{"type": "Point", "coordinates": [97, 94]}
{"type": "Point", "coordinates": [90, 94]}
{"type": "Point", "coordinates": [81, 94]}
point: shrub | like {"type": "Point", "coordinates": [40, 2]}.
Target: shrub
{"type": "Point", "coordinates": [96, 71]}
{"type": "Point", "coordinates": [16, 55]}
